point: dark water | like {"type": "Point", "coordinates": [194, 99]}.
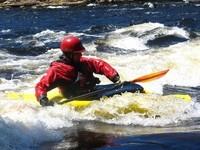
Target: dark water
{"type": "Point", "coordinates": [117, 137]}
{"type": "Point", "coordinates": [24, 23]}
{"type": "Point", "coordinates": [18, 30]}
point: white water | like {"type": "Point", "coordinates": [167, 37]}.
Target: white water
{"type": "Point", "coordinates": [26, 125]}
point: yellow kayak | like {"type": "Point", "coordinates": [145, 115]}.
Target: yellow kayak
{"type": "Point", "coordinates": [113, 104]}
{"type": "Point", "coordinates": [53, 95]}
{"type": "Point", "coordinates": [56, 96]}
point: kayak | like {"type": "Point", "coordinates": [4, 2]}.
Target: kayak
{"type": "Point", "coordinates": [78, 102]}
{"type": "Point", "coordinates": [81, 104]}
{"type": "Point", "coordinates": [105, 101]}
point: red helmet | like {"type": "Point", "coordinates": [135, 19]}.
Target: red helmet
{"type": "Point", "coordinates": [71, 44]}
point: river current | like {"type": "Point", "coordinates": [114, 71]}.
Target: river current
{"type": "Point", "coordinates": [136, 39]}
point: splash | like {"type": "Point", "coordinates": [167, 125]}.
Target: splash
{"type": "Point", "coordinates": [138, 109]}
{"type": "Point", "coordinates": [26, 126]}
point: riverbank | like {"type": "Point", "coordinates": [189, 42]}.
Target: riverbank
{"type": "Point", "coordinates": [46, 3]}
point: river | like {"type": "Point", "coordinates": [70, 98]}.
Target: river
{"type": "Point", "coordinates": [136, 39]}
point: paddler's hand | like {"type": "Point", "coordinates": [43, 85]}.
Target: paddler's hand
{"type": "Point", "coordinates": [116, 79]}
{"type": "Point", "coordinates": [96, 80]}
{"type": "Point", "coordinates": [44, 101]}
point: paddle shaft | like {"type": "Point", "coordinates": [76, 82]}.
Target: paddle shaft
{"type": "Point", "coordinates": [145, 78]}
{"type": "Point", "coordinates": [93, 93]}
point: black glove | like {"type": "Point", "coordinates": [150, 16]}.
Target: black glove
{"type": "Point", "coordinates": [44, 101]}
{"type": "Point", "coordinates": [96, 80]}
{"type": "Point", "coordinates": [116, 79]}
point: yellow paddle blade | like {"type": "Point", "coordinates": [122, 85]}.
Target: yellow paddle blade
{"type": "Point", "coordinates": [150, 77]}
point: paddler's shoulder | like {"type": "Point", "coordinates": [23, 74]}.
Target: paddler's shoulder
{"type": "Point", "coordinates": [61, 64]}
{"type": "Point", "coordinates": [89, 59]}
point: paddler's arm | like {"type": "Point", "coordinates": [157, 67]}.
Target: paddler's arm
{"type": "Point", "coordinates": [101, 67]}
{"type": "Point", "coordinates": [43, 86]}
{"type": "Point", "coordinates": [57, 74]}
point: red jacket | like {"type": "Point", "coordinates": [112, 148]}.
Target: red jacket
{"type": "Point", "coordinates": [66, 76]}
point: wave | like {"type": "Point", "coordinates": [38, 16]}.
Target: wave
{"type": "Point", "coordinates": [17, 135]}
{"type": "Point", "coordinates": [5, 31]}
{"type": "Point", "coordinates": [143, 37]}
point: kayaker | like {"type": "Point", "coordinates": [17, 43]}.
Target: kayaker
{"type": "Point", "coordinates": [73, 73]}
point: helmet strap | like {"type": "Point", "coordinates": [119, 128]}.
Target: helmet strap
{"type": "Point", "coordinates": [69, 56]}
